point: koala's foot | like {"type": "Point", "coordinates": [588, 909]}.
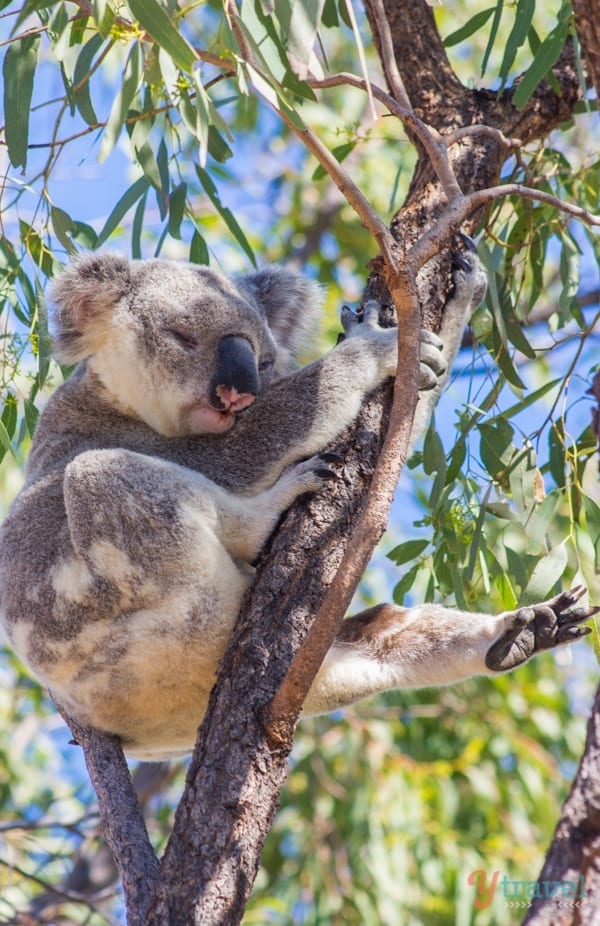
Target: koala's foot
{"type": "Point", "coordinates": [530, 630]}
{"type": "Point", "coordinates": [433, 366]}
{"type": "Point", "coordinates": [469, 279]}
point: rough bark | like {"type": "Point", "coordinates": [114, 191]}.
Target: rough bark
{"type": "Point", "coordinates": [121, 818]}
{"type": "Point", "coordinates": [237, 771]}
{"type": "Point", "coordinates": [575, 848]}
{"type": "Point", "coordinates": [588, 31]}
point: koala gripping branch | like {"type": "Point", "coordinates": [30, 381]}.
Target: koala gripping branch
{"type": "Point", "coordinates": [372, 522]}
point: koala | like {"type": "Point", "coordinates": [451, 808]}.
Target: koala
{"type": "Point", "coordinates": [160, 468]}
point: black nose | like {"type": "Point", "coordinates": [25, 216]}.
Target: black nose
{"type": "Point", "coordinates": [236, 370]}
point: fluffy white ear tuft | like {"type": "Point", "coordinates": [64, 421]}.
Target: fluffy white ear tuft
{"type": "Point", "coordinates": [85, 295]}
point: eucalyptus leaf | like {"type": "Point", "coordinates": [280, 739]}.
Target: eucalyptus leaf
{"type": "Point", "coordinates": [18, 71]}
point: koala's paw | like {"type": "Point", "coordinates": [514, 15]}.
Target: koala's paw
{"type": "Point", "coordinates": [384, 341]}
{"type": "Point", "coordinates": [470, 281]}
{"type": "Point", "coordinates": [433, 364]}
{"type": "Point", "coordinates": [312, 474]}
{"type": "Point", "coordinates": [530, 630]}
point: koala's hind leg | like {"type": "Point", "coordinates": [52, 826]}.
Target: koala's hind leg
{"type": "Point", "coordinates": [131, 514]}
{"type": "Point", "coordinates": [388, 647]}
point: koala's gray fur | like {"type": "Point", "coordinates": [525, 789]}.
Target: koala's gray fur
{"type": "Point", "coordinates": [149, 494]}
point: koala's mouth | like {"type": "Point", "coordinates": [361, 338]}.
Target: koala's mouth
{"type": "Point", "coordinates": [202, 418]}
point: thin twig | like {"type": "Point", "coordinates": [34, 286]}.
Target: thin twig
{"type": "Point", "coordinates": [462, 206]}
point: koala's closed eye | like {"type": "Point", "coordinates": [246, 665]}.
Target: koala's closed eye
{"type": "Point", "coordinates": [266, 363]}
{"type": "Point", "coordinates": [183, 338]}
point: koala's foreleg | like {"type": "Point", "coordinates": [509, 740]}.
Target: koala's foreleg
{"type": "Point", "coordinates": [388, 647]}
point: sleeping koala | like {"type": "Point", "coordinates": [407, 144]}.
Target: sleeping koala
{"type": "Point", "coordinates": [162, 465]}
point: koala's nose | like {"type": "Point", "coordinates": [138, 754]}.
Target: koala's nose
{"type": "Point", "coordinates": [234, 384]}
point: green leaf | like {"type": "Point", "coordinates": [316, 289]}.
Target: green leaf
{"type": "Point", "coordinates": [120, 108]}
{"type": "Point", "coordinates": [5, 442]}
{"type": "Point", "coordinates": [478, 535]}
{"type": "Point", "coordinates": [137, 227]}
{"type": "Point", "coordinates": [505, 363]}
{"type": "Point", "coordinates": [546, 57]}
{"type": "Point", "coordinates": [198, 249]}
{"type": "Point", "coordinates": [405, 584]}
{"type": "Point", "coordinates": [545, 575]}
{"type": "Point", "coordinates": [31, 416]}
{"type": "Point", "coordinates": [434, 458]}
{"type": "Point", "coordinates": [592, 517]}
{"type": "Point", "coordinates": [406, 551]}
{"type": "Point", "coordinates": [225, 213]}
{"type": "Point", "coordinates": [522, 479]}
{"type": "Point", "coordinates": [64, 226]}
{"type": "Point", "coordinates": [339, 153]}
{"type": "Point", "coordinates": [496, 446]}
{"type": "Point", "coordinates": [81, 82]}
{"type": "Point", "coordinates": [471, 26]}
{"type": "Point", "coordinates": [147, 161]}
{"type": "Point", "coordinates": [531, 398]}
{"type": "Point", "coordinates": [493, 33]}
{"type": "Point", "coordinates": [518, 36]}
{"type": "Point", "coordinates": [304, 25]}
{"type": "Point", "coordinates": [155, 20]}
{"type": "Point", "coordinates": [177, 209]}
{"type": "Point", "coordinates": [557, 453]}
{"type": "Point", "coordinates": [18, 71]}
{"type": "Point", "coordinates": [125, 203]}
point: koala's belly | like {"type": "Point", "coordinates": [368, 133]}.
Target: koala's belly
{"type": "Point", "coordinates": [144, 675]}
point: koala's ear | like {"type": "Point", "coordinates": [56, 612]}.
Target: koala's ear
{"type": "Point", "coordinates": [289, 301]}
{"type": "Point", "coordinates": [84, 297]}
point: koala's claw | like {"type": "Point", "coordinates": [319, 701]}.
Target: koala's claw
{"type": "Point", "coordinates": [330, 456]}
{"type": "Point", "coordinates": [460, 262]}
{"type": "Point", "coordinates": [539, 627]}
{"type": "Point", "coordinates": [468, 242]}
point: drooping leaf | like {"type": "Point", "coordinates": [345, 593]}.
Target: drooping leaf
{"type": "Point", "coordinates": [64, 226]}
{"type": "Point", "coordinates": [18, 72]}
{"type": "Point", "coordinates": [406, 551]}
{"type": "Point", "coordinates": [198, 249]}
{"type": "Point", "coordinates": [405, 584]}
{"type": "Point", "coordinates": [129, 198]}
{"type": "Point", "coordinates": [122, 102]}
{"type": "Point", "coordinates": [545, 58]}
{"type": "Point", "coordinates": [493, 33]}
{"type": "Point", "coordinates": [545, 575]}
{"type": "Point", "coordinates": [81, 84]}
{"type": "Point", "coordinates": [225, 213]}
{"type": "Point", "coordinates": [518, 36]}
{"type": "Point", "coordinates": [496, 445]}
{"type": "Point", "coordinates": [592, 517]}
{"type": "Point", "coordinates": [177, 209]}
{"type": "Point", "coordinates": [304, 25]}
{"type": "Point", "coordinates": [471, 26]}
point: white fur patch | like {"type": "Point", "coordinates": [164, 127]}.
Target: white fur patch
{"type": "Point", "coordinates": [71, 579]}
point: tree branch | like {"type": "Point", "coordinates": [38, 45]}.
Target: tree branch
{"type": "Point", "coordinates": [122, 821]}
{"type": "Point", "coordinates": [575, 848]}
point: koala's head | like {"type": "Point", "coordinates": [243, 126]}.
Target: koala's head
{"type": "Point", "coordinates": [178, 345]}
